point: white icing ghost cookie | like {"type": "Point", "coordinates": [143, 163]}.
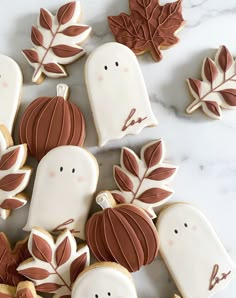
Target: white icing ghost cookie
{"type": "Point", "coordinates": [104, 280]}
{"type": "Point", "coordinates": [65, 183]}
{"type": "Point", "coordinates": [193, 253]}
{"type": "Point", "coordinates": [10, 90]}
{"type": "Point", "coordinates": [117, 93]}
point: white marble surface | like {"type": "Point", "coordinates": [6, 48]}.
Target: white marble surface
{"type": "Point", "coordinates": [203, 148]}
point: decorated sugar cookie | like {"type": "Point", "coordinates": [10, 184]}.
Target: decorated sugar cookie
{"type": "Point", "coordinates": [10, 259]}
{"type": "Point", "coordinates": [50, 122]}
{"type": "Point", "coordinates": [14, 176]}
{"type": "Point", "coordinates": [56, 41]}
{"type": "Point", "coordinates": [121, 233]}
{"type": "Point", "coordinates": [64, 187]}
{"type": "Point", "coordinates": [192, 252]}
{"type": "Point", "coordinates": [142, 181]}
{"type": "Point", "coordinates": [10, 91]}
{"type": "Point", "coordinates": [217, 89]}
{"type": "Point", "coordinates": [24, 289]}
{"type": "Point", "coordinates": [54, 266]}
{"type": "Point", "coordinates": [103, 280]}
{"type": "Point", "coordinates": [150, 27]}
{"type": "Point", "coordinates": [117, 93]}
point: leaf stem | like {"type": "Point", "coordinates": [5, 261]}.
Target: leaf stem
{"type": "Point", "coordinates": [61, 278]}
{"type": "Point", "coordinates": [139, 186]}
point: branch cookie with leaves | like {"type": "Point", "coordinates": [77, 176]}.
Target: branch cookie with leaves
{"type": "Point", "coordinates": [54, 266]}
{"type": "Point", "coordinates": [217, 89]}
{"type": "Point", "coordinates": [143, 181]}
{"type": "Point", "coordinates": [56, 41]}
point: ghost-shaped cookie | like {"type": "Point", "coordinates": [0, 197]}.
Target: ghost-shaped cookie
{"type": "Point", "coordinates": [65, 183]}
{"type": "Point", "coordinates": [117, 93]}
{"type": "Point", "coordinates": [104, 280]}
{"type": "Point", "coordinates": [10, 91]}
{"type": "Point", "coordinates": [193, 253]}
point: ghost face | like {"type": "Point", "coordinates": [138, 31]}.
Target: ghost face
{"type": "Point", "coordinates": [10, 89]}
{"type": "Point", "coordinates": [104, 282]}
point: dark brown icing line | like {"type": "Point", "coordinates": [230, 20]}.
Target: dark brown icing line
{"type": "Point", "coordinates": [214, 280]}
{"type": "Point", "coordinates": [129, 122]}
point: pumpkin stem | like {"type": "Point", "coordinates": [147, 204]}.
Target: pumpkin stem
{"type": "Point", "coordinates": [63, 91]}
{"type": "Point", "coordinates": [103, 200]}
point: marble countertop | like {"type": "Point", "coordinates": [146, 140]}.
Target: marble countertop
{"type": "Point", "coordinates": [204, 149]}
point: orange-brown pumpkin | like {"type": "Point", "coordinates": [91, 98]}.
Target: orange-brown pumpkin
{"type": "Point", "coordinates": [50, 122]}
{"type": "Point", "coordinates": [122, 233]}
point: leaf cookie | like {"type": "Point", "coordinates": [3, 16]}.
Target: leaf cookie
{"type": "Point", "coordinates": [142, 181]}
{"type": "Point", "coordinates": [11, 259]}
{"type": "Point", "coordinates": [56, 41]}
{"type": "Point", "coordinates": [55, 265]}
{"type": "Point", "coordinates": [150, 26]}
{"type": "Point", "coordinates": [217, 89]}
{"type": "Point", "coordinates": [13, 176]}
{"type": "Point", "coordinates": [24, 289]}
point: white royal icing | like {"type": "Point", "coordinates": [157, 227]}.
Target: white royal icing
{"type": "Point", "coordinates": [64, 186]}
{"type": "Point", "coordinates": [10, 90]}
{"type": "Point", "coordinates": [116, 88]}
{"type": "Point", "coordinates": [104, 282]}
{"type": "Point", "coordinates": [191, 249]}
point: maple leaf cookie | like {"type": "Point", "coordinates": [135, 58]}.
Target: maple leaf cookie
{"type": "Point", "coordinates": [54, 265]}
{"type": "Point", "coordinates": [56, 41]}
{"type": "Point", "coordinates": [14, 177]}
{"type": "Point", "coordinates": [150, 27]}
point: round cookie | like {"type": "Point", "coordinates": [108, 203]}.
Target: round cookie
{"type": "Point", "coordinates": [104, 280]}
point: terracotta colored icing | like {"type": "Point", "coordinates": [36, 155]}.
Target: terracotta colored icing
{"type": "Point", "coordinates": [124, 234]}
{"type": "Point", "coordinates": [51, 122]}
{"type": "Point", "coordinates": [217, 89]}
{"type": "Point", "coordinates": [57, 39]}
{"type": "Point", "coordinates": [182, 228]}
{"type": "Point", "coordinates": [116, 89]}
{"type": "Point", "coordinates": [10, 260]}
{"type": "Point", "coordinates": [149, 27]}
{"type": "Point", "coordinates": [55, 265]}
{"type": "Point", "coordinates": [103, 280]}
{"type": "Point", "coordinates": [13, 176]}
{"type": "Point", "coordinates": [142, 181]}
{"type": "Point", "coordinates": [64, 187]}
{"type": "Point", "coordinates": [10, 76]}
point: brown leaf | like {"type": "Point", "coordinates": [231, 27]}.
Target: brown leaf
{"type": "Point", "coordinates": [130, 162]}
{"type": "Point", "coordinates": [149, 26]}
{"type": "Point", "coordinates": [118, 197]}
{"type": "Point", "coordinates": [122, 180]}
{"type": "Point", "coordinates": [65, 51]}
{"type": "Point", "coordinates": [45, 19]}
{"type": "Point", "coordinates": [161, 173]}
{"type": "Point", "coordinates": [48, 287]}
{"type": "Point", "coordinates": [77, 266]}
{"type": "Point", "coordinates": [36, 36]}
{"type": "Point", "coordinates": [11, 182]}
{"type": "Point", "coordinates": [41, 249]}
{"type": "Point", "coordinates": [195, 85]}
{"type": "Point", "coordinates": [153, 154]}
{"type": "Point", "coordinates": [63, 252]}
{"type": "Point", "coordinates": [213, 107]}
{"type": "Point", "coordinates": [12, 204]}
{"type": "Point", "coordinates": [35, 273]}
{"type": "Point", "coordinates": [32, 55]}
{"type": "Point", "coordinates": [225, 59]}
{"type": "Point", "coordinates": [229, 96]}
{"type": "Point", "coordinates": [210, 70]}
{"type": "Point", "coordinates": [66, 12]}
{"type": "Point", "coordinates": [9, 159]}
{"type": "Point", "coordinates": [74, 30]}
{"type": "Point", "coordinates": [53, 68]}
{"type": "Point", "coordinates": [154, 195]}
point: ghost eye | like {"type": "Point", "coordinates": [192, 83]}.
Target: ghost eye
{"type": "Point", "coordinates": [61, 169]}
{"type": "Point", "coordinates": [105, 67]}
{"type": "Point", "coordinates": [117, 64]}
{"type": "Point", "coordinates": [185, 225]}
{"type": "Point", "coordinates": [96, 296]}
{"type": "Point", "coordinates": [176, 231]}
{"type": "Point", "coordinates": [109, 294]}
{"type": "Point", "coordinates": [73, 170]}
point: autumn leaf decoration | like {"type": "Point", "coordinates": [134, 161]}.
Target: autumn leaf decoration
{"type": "Point", "coordinates": [217, 89]}
{"type": "Point", "coordinates": [13, 176]}
{"type": "Point", "coordinates": [149, 27]}
{"type": "Point", "coordinates": [56, 40]}
{"type": "Point", "coordinates": [55, 265]}
{"type": "Point", "coordinates": [25, 289]}
{"type": "Point", "coordinates": [143, 181]}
